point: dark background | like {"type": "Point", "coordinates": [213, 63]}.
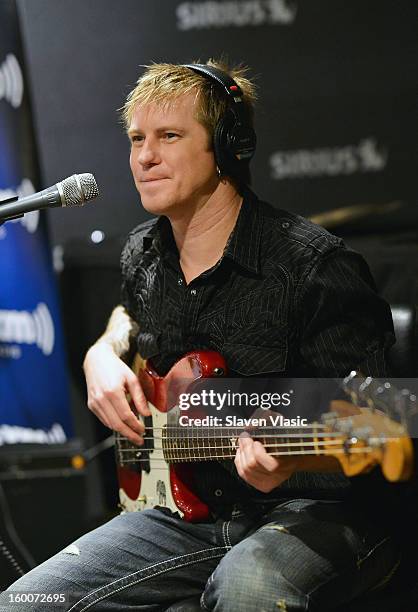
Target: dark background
{"type": "Point", "coordinates": [336, 124]}
{"type": "Point", "coordinates": [336, 127]}
{"type": "Point", "coordinates": [331, 74]}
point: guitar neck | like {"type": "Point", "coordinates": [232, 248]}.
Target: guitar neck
{"type": "Point", "coordinates": [197, 444]}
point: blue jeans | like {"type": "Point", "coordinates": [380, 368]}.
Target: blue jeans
{"type": "Point", "coordinates": [301, 555]}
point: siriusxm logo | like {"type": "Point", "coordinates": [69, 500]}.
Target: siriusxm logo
{"type": "Point", "coordinates": [11, 81]}
{"type": "Point", "coordinates": [312, 163]}
{"type": "Point", "coordinates": [29, 221]}
{"type": "Point", "coordinates": [22, 327]}
{"type": "Point", "coordinates": [14, 434]}
{"type": "Point", "coordinates": [234, 13]}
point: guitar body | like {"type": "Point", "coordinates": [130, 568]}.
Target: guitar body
{"type": "Point", "coordinates": [145, 478]}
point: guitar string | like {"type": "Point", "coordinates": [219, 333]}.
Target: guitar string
{"type": "Point", "coordinates": [205, 432]}
{"type": "Point", "coordinates": [232, 456]}
{"type": "Point", "coordinates": [199, 434]}
{"type": "Point", "coordinates": [301, 438]}
{"type": "Point", "coordinates": [171, 446]}
{"type": "Point", "coordinates": [317, 444]}
{"type": "Point", "coordinates": [235, 434]}
{"type": "Point", "coordinates": [205, 427]}
{"type": "Point", "coordinates": [317, 441]}
{"type": "Point", "coordinates": [292, 431]}
{"type": "Point", "coordinates": [175, 449]}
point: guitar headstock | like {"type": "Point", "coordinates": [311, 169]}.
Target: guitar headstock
{"type": "Point", "coordinates": [398, 404]}
{"type": "Point", "coordinates": [373, 427]}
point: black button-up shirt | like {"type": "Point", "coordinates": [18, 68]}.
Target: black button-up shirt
{"type": "Point", "coordinates": [286, 298]}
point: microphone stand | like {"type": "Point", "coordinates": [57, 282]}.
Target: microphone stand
{"type": "Point", "coordinates": [8, 201]}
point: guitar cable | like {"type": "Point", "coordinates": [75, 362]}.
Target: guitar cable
{"type": "Point", "coordinates": [95, 450]}
{"type": "Point", "coordinates": [16, 541]}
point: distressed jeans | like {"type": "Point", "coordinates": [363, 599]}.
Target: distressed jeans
{"type": "Point", "coordinates": [301, 555]}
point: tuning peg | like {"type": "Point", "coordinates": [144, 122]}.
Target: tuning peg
{"type": "Point", "coordinates": [348, 443]}
{"type": "Point", "coordinates": [362, 433]}
{"type": "Point", "coordinates": [365, 384]}
{"type": "Point", "coordinates": [329, 418]}
{"type": "Point", "coordinates": [365, 392]}
{"type": "Point", "coordinates": [384, 398]}
{"type": "Point", "coordinates": [413, 405]}
{"type": "Point", "coordinates": [347, 380]}
{"type": "Point", "coordinates": [376, 442]}
{"type": "Point", "coordinates": [345, 426]}
{"type": "Point", "coordinates": [400, 404]}
{"type": "Point", "coordinates": [355, 385]}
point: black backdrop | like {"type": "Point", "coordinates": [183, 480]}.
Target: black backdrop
{"type": "Point", "coordinates": [336, 119]}
{"type": "Point", "coordinates": [336, 122]}
{"type": "Point", "coordinates": [336, 125]}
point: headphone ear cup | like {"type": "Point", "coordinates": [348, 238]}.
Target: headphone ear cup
{"type": "Point", "coordinates": [223, 144]}
{"type": "Point", "coordinates": [243, 143]}
{"type": "Point", "coordinates": [233, 143]}
{"type": "Point", "coordinates": [220, 145]}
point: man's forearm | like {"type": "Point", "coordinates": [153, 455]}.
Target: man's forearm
{"type": "Point", "coordinates": [121, 330]}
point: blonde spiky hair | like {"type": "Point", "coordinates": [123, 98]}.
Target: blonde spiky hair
{"type": "Point", "coordinates": [163, 83]}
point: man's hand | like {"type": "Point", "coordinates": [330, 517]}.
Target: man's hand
{"type": "Point", "coordinates": [261, 470]}
{"type": "Point", "coordinates": [108, 380]}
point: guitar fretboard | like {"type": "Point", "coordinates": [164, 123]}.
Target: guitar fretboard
{"type": "Point", "coordinates": [208, 444]}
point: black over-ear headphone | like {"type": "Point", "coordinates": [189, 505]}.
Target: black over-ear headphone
{"type": "Point", "coordinates": [234, 139]}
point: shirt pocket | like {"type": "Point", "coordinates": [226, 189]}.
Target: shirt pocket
{"type": "Point", "coordinates": [253, 360]}
{"type": "Point", "coordinates": [256, 339]}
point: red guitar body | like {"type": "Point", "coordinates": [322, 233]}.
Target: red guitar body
{"type": "Point", "coordinates": [145, 478]}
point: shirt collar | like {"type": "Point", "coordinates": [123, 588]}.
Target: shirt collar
{"type": "Point", "coordinates": [160, 236]}
{"type": "Point", "coordinates": [244, 243]}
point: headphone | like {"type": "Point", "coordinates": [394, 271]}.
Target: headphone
{"type": "Point", "coordinates": [234, 139]}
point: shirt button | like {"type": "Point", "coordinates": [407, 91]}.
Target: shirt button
{"type": "Point", "coordinates": [285, 225]}
{"type": "Point", "coordinates": [180, 281]}
{"type": "Point", "coordinates": [193, 291]}
{"type": "Point", "coordinates": [218, 492]}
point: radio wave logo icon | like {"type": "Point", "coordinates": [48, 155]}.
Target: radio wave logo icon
{"type": "Point", "coordinates": [11, 81]}
{"type": "Point", "coordinates": [234, 13]}
{"type": "Point", "coordinates": [24, 327]}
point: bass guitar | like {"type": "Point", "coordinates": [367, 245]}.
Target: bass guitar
{"type": "Point", "coordinates": [354, 437]}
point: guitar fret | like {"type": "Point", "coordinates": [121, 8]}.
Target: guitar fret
{"type": "Point", "coordinates": [205, 445]}
{"type": "Point", "coordinates": [190, 438]}
{"type": "Point", "coordinates": [177, 444]}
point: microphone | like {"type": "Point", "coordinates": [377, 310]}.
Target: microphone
{"type": "Point", "coordinates": [75, 190]}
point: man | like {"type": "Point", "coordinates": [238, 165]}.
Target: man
{"type": "Point", "coordinates": [276, 296]}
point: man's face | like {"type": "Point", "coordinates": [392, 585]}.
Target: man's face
{"type": "Point", "coordinates": [171, 161]}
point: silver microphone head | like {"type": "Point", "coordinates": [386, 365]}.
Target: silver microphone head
{"type": "Point", "coordinates": [78, 189]}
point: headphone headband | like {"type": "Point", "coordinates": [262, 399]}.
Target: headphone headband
{"type": "Point", "coordinates": [234, 138]}
{"type": "Point", "coordinates": [228, 84]}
